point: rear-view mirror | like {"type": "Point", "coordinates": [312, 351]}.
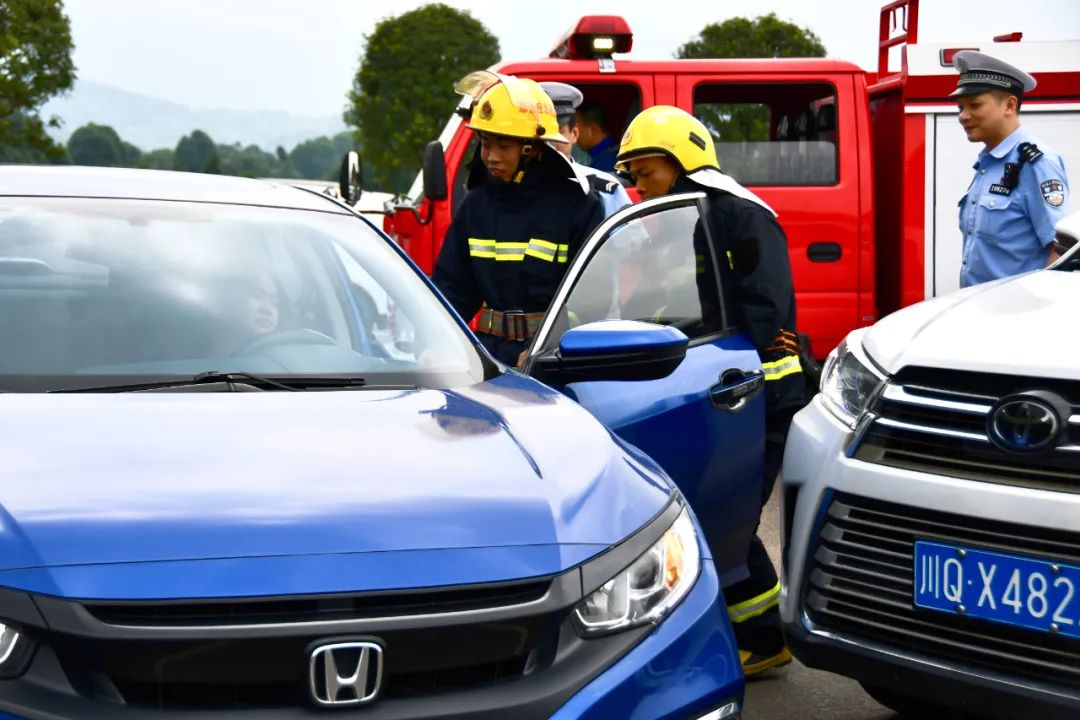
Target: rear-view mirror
{"type": "Point", "coordinates": [351, 178]}
{"type": "Point", "coordinates": [434, 169]}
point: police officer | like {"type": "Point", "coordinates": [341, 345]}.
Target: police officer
{"type": "Point", "coordinates": [525, 217]}
{"type": "Point", "coordinates": [1008, 214]}
{"type": "Point", "coordinates": [567, 98]}
{"type": "Point", "coordinates": [667, 150]}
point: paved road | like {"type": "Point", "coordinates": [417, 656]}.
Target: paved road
{"type": "Point", "coordinates": [796, 692]}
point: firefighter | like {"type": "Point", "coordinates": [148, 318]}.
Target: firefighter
{"type": "Point", "coordinates": [1020, 190]}
{"type": "Point", "coordinates": [666, 150]}
{"type": "Point", "coordinates": [567, 98]}
{"type": "Point", "coordinates": [527, 214]}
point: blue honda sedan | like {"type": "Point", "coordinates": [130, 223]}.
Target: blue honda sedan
{"type": "Point", "coordinates": [252, 464]}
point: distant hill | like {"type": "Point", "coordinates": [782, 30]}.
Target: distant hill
{"type": "Point", "coordinates": [150, 123]}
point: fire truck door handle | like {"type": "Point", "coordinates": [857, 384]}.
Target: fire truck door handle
{"type": "Point", "coordinates": [823, 252]}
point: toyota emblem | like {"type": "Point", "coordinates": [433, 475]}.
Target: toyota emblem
{"type": "Point", "coordinates": [1026, 423]}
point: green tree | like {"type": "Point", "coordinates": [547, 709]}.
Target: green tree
{"type": "Point", "coordinates": [24, 144]}
{"type": "Point", "coordinates": [403, 91]}
{"type": "Point", "coordinates": [35, 64]}
{"type": "Point", "coordinates": [130, 154]}
{"type": "Point", "coordinates": [161, 159]}
{"type": "Point", "coordinates": [97, 145]}
{"type": "Point", "coordinates": [196, 153]}
{"type": "Point", "coordinates": [766, 36]}
{"type": "Point", "coordinates": [315, 158]}
{"type": "Point", "coordinates": [250, 161]}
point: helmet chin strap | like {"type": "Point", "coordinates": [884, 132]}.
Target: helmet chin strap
{"type": "Point", "coordinates": [528, 151]}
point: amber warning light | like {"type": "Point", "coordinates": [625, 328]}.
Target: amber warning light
{"type": "Point", "coordinates": [595, 36]}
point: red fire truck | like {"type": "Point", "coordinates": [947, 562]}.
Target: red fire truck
{"type": "Point", "coordinates": [864, 168]}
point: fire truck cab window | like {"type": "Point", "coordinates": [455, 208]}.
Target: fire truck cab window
{"type": "Point", "coordinates": [616, 103]}
{"type": "Point", "coordinates": [772, 133]}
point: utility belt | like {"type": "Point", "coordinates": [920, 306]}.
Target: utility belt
{"type": "Point", "coordinates": [514, 325]}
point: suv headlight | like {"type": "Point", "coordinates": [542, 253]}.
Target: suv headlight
{"type": "Point", "coordinates": [648, 589]}
{"type": "Point", "coordinates": [848, 381]}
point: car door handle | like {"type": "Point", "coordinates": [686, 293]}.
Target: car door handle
{"type": "Point", "coordinates": [824, 252]}
{"type": "Point", "coordinates": [735, 389]}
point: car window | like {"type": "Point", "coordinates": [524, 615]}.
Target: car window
{"type": "Point", "coordinates": [656, 268]}
{"type": "Point", "coordinates": [141, 288]}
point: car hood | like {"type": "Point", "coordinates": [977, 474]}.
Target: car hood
{"type": "Point", "coordinates": [136, 478]}
{"type": "Point", "coordinates": [1019, 326]}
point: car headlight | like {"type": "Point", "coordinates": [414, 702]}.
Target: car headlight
{"type": "Point", "coordinates": [15, 651]}
{"type": "Point", "coordinates": [848, 381]}
{"type": "Point", "coordinates": [648, 589]}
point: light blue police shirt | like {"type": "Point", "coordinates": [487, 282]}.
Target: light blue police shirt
{"type": "Point", "coordinates": [1006, 231]}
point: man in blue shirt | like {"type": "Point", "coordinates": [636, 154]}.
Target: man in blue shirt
{"type": "Point", "coordinates": [1020, 190]}
{"type": "Point", "coordinates": [566, 99]}
{"type": "Point", "coordinates": [593, 137]}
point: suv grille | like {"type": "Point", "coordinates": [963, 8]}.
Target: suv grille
{"type": "Point", "coordinates": [861, 579]}
{"type": "Point", "coordinates": [935, 421]}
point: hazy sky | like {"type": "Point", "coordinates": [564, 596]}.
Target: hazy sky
{"type": "Point", "coordinates": [300, 55]}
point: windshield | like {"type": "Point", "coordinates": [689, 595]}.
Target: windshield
{"type": "Point", "coordinates": [95, 291]}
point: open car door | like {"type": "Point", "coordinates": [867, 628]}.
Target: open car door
{"type": "Point", "coordinates": [640, 335]}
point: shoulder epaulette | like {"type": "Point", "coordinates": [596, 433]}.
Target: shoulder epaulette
{"type": "Point", "coordinates": [1029, 152]}
{"type": "Point", "coordinates": [602, 184]}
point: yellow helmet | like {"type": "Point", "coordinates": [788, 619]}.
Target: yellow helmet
{"type": "Point", "coordinates": [509, 106]}
{"type": "Point", "coordinates": [667, 130]}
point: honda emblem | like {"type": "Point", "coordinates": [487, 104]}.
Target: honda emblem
{"type": "Point", "coordinates": [345, 673]}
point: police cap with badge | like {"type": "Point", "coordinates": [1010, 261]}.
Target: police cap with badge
{"type": "Point", "coordinates": [981, 73]}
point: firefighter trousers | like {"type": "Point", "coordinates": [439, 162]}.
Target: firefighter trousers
{"type": "Point", "coordinates": [754, 603]}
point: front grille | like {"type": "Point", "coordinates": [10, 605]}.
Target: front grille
{"type": "Point", "coordinates": [268, 672]}
{"type": "Point", "coordinates": [317, 609]}
{"type": "Point", "coordinates": [861, 585]}
{"type": "Point", "coordinates": [936, 421]}
{"type": "Point", "coordinates": [263, 672]}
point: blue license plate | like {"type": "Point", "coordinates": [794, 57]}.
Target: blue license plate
{"type": "Point", "coordinates": [1001, 588]}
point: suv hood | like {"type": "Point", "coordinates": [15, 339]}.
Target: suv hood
{"type": "Point", "coordinates": [94, 479]}
{"type": "Point", "coordinates": [1018, 326]}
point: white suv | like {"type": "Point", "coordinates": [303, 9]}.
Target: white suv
{"type": "Point", "coordinates": [931, 503]}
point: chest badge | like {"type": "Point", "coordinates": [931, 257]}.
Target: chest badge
{"type": "Point", "coordinates": [1053, 192]}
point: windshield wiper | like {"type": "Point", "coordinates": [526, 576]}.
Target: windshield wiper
{"type": "Point", "coordinates": [290, 383]}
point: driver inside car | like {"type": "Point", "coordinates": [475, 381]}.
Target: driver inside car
{"type": "Point", "coordinates": [253, 309]}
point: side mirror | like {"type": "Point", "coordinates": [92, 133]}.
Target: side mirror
{"type": "Point", "coordinates": [351, 178]}
{"type": "Point", "coordinates": [613, 350]}
{"type": "Point", "coordinates": [434, 171]}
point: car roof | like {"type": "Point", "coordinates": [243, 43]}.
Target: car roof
{"type": "Point", "coordinates": [96, 182]}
